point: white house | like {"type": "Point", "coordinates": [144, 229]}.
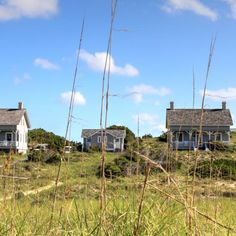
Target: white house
{"type": "Point", "coordinates": [14, 126]}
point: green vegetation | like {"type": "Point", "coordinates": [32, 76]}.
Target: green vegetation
{"type": "Point", "coordinates": [55, 142]}
{"type": "Point", "coordinates": [233, 137]}
{"type": "Point", "coordinates": [77, 209]}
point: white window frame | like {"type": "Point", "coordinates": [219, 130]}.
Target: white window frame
{"type": "Point", "coordinates": [99, 139]}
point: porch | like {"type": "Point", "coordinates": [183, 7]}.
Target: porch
{"type": "Point", "coordinates": [8, 144]}
{"type": "Point", "coordinates": [188, 140]}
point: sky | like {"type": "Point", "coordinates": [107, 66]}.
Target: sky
{"type": "Point", "coordinates": [156, 46]}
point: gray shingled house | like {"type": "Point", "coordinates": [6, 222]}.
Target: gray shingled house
{"type": "Point", "coordinates": [114, 139]}
{"type": "Point", "coordinates": [14, 125]}
{"type": "Point", "coordinates": [183, 126]}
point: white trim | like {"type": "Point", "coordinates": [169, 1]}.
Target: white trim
{"type": "Point", "coordinates": [99, 139]}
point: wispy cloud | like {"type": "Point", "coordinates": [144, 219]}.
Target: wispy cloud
{"type": "Point", "coordinates": [195, 6]}
{"type": "Point", "coordinates": [221, 94]}
{"type": "Point", "coordinates": [79, 98]}
{"type": "Point", "coordinates": [21, 79]}
{"type": "Point", "coordinates": [149, 122]}
{"type": "Point", "coordinates": [138, 91]}
{"type": "Point", "coordinates": [145, 118]}
{"type": "Point", "coordinates": [45, 64]}
{"type": "Point", "coordinates": [160, 128]}
{"type": "Point", "coordinates": [232, 5]}
{"type": "Point", "coordinates": [96, 62]}
{"type": "Point", "coordinates": [15, 9]}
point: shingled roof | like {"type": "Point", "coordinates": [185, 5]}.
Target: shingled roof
{"type": "Point", "coordinates": [192, 117]}
{"type": "Point", "coordinates": [86, 133]}
{"type": "Point", "coordinates": [13, 116]}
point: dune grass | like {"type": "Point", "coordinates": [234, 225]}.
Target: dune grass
{"type": "Point", "coordinates": [77, 209]}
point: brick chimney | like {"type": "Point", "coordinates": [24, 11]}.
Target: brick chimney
{"type": "Point", "coordinates": [224, 105]}
{"type": "Point", "coordinates": [172, 105]}
{"type": "Point", "coordinates": [20, 105]}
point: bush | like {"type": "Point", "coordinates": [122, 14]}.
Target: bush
{"type": "Point", "coordinates": [112, 170]}
{"type": "Point", "coordinates": [221, 168]}
{"type": "Point", "coordinates": [48, 157]}
{"type": "Point", "coordinates": [220, 146]}
{"type": "Point", "coordinates": [53, 157]}
{"type": "Point", "coordinates": [94, 148]}
{"type": "Point", "coordinates": [35, 156]}
{"type": "Point", "coordinates": [119, 167]}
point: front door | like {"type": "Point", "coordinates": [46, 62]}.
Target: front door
{"type": "Point", "coordinates": [9, 137]}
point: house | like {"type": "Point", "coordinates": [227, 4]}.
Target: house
{"type": "Point", "coordinates": [114, 139]}
{"type": "Point", "coordinates": [184, 125]}
{"type": "Point", "coordinates": [14, 125]}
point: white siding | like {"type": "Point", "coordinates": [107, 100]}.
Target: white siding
{"type": "Point", "coordinates": [22, 131]}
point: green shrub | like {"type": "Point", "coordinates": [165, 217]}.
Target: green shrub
{"type": "Point", "coordinates": [54, 157]}
{"type": "Point", "coordinates": [46, 157]}
{"type": "Point", "coordinates": [35, 156]}
{"type": "Point", "coordinates": [221, 168]}
{"type": "Point", "coordinates": [112, 170]}
{"type": "Point", "coordinates": [220, 146]}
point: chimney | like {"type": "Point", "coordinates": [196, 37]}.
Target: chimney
{"type": "Point", "coordinates": [171, 105]}
{"type": "Point", "coordinates": [20, 105]}
{"type": "Point", "coordinates": [224, 105]}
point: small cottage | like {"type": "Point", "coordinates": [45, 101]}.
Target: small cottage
{"type": "Point", "coordinates": [114, 139]}
{"type": "Point", "coordinates": [184, 125]}
{"type": "Point", "coordinates": [14, 125]}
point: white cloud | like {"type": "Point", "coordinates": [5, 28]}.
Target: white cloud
{"type": "Point", "coordinates": [232, 5]}
{"type": "Point", "coordinates": [160, 127]}
{"type": "Point", "coordinates": [146, 118]}
{"type": "Point", "coordinates": [15, 9]}
{"type": "Point", "coordinates": [195, 6]}
{"type": "Point", "coordinates": [138, 91]}
{"type": "Point", "coordinates": [221, 94]}
{"type": "Point", "coordinates": [234, 120]}
{"type": "Point", "coordinates": [21, 79]}
{"type": "Point", "coordinates": [45, 64]}
{"type": "Point", "coordinates": [150, 123]}
{"type": "Point", "coordinates": [97, 61]}
{"type": "Point", "coordinates": [79, 98]}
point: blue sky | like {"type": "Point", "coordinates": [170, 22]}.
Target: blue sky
{"type": "Point", "coordinates": [156, 44]}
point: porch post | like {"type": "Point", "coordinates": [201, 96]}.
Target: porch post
{"type": "Point", "coordinates": [229, 136]}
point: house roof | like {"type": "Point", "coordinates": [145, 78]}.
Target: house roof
{"type": "Point", "coordinates": [192, 117]}
{"type": "Point", "coordinates": [13, 116]}
{"type": "Point", "coordinates": [86, 133]}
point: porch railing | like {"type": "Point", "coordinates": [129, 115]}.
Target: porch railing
{"type": "Point", "coordinates": [8, 144]}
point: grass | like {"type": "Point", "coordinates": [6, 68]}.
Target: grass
{"type": "Point", "coordinates": [77, 209]}
{"type": "Point", "coordinates": [233, 138]}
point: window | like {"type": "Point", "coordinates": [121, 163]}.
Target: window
{"type": "Point", "coordinates": [218, 137]}
{"type": "Point", "coordinates": [117, 140]}
{"type": "Point", "coordinates": [99, 139]}
{"type": "Point", "coordinates": [89, 140]}
{"type": "Point", "coordinates": [180, 137]}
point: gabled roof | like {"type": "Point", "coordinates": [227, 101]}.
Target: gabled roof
{"type": "Point", "coordinates": [86, 133]}
{"type": "Point", "coordinates": [13, 116]}
{"type": "Point", "coordinates": [192, 117]}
